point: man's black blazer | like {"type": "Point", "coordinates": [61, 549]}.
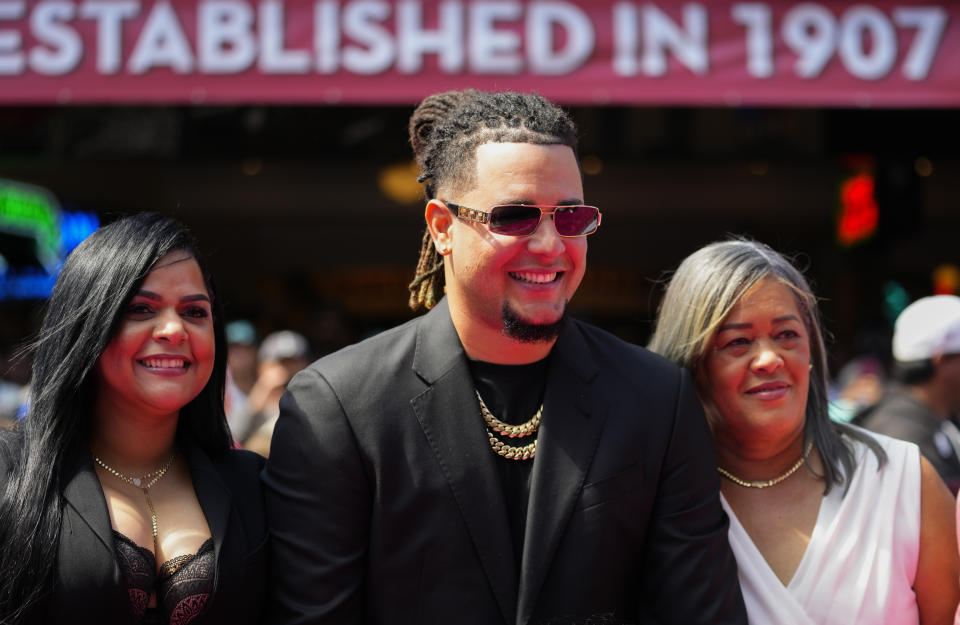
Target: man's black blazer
{"type": "Point", "coordinates": [87, 585]}
{"type": "Point", "coordinates": [385, 505]}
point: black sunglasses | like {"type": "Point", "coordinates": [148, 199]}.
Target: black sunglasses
{"type": "Point", "coordinates": [522, 220]}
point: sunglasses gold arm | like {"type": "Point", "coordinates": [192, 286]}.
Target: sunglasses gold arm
{"type": "Point", "coordinates": [470, 214]}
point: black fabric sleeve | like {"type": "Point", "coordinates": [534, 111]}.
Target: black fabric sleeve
{"type": "Point", "coordinates": [318, 501]}
{"type": "Point", "coordinates": [690, 572]}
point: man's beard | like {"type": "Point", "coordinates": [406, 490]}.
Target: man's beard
{"type": "Point", "coordinates": [522, 330]}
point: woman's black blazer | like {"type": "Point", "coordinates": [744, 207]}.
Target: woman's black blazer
{"type": "Point", "coordinates": [87, 584]}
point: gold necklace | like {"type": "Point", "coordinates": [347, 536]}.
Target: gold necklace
{"type": "Point", "coordinates": [525, 452]}
{"type": "Point", "coordinates": [143, 484]}
{"type": "Point", "coordinates": [510, 452]}
{"type": "Point", "coordinates": [513, 431]}
{"type": "Point", "coordinates": [771, 482]}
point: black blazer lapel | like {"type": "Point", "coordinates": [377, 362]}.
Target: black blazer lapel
{"type": "Point", "coordinates": [214, 498]}
{"type": "Point", "coordinates": [573, 419]}
{"type": "Point", "coordinates": [86, 561]}
{"type": "Point", "coordinates": [449, 416]}
{"type": "Point", "coordinates": [83, 493]}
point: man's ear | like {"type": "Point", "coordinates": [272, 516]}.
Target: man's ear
{"type": "Point", "coordinates": [439, 222]}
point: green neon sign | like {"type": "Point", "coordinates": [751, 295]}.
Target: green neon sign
{"type": "Point", "coordinates": [33, 212]}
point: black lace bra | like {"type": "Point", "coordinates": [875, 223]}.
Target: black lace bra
{"type": "Point", "coordinates": [183, 584]}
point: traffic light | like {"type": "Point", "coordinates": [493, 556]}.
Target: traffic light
{"type": "Point", "coordinates": [858, 213]}
{"type": "Point", "coordinates": [877, 198]}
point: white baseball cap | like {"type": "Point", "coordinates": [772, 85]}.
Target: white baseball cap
{"type": "Point", "coordinates": [282, 345]}
{"type": "Point", "coordinates": [926, 328]}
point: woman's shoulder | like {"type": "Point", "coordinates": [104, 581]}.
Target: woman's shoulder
{"type": "Point", "coordinates": [239, 464]}
{"type": "Point", "coordinates": [245, 458]}
{"type": "Point", "coordinates": [899, 469]}
{"type": "Point", "coordinates": [237, 472]}
{"type": "Point", "coordinates": [237, 469]}
{"type": "Point", "coordinates": [897, 450]}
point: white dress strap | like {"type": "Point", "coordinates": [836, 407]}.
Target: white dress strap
{"type": "Point", "coordinates": [860, 564]}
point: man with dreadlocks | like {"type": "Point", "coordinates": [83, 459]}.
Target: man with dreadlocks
{"type": "Point", "coordinates": [492, 461]}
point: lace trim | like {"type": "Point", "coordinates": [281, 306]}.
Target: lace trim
{"type": "Point", "coordinates": [183, 584]}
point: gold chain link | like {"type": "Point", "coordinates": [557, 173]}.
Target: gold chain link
{"type": "Point", "coordinates": [511, 452]}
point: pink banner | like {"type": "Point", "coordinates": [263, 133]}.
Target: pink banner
{"type": "Point", "coordinates": [781, 53]}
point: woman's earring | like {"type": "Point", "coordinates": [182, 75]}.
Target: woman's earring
{"type": "Point", "coordinates": [811, 366]}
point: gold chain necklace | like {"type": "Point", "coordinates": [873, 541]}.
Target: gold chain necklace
{"type": "Point", "coordinates": [143, 484]}
{"type": "Point", "coordinates": [513, 431]}
{"type": "Point", "coordinates": [510, 452]}
{"type": "Point", "coordinates": [771, 482]}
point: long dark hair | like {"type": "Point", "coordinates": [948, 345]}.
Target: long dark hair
{"type": "Point", "coordinates": [97, 280]}
{"type": "Point", "coordinates": [445, 130]}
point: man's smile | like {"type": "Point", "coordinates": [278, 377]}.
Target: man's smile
{"type": "Point", "coordinates": [535, 277]}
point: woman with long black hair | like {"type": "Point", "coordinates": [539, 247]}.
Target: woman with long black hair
{"type": "Point", "coordinates": [121, 500]}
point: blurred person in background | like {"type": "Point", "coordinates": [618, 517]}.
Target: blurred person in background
{"type": "Point", "coordinates": [923, 407]}
{"type": "Point", "coordinates": [120, 498]}
{"type": "Point", "coordinates": [241, 374]}
{"type": "Point", "coordinates": [242, 354]}
{"type": "Point", "coordinates": [859, 385]}
{"type": "Point", "coordinates": [281, 356]}
{"type": "Point", "coordinates": [830, 525]}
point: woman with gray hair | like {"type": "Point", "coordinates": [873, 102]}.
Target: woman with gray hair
{"type": "Point", "coordinates": [830, 525]}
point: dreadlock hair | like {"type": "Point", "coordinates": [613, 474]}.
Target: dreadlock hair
{"type": "Point", "coordinates": [97, 281]}
{"type": "Point", "coordinates": [445, 131]}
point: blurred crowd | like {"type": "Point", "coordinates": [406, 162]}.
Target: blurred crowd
{"type": "Point", "coordinates": [259, 373]}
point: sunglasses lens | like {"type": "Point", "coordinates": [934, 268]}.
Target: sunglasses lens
{"type": "Point", "coordinates": [575, 221]}
{"type": "Point", "coordinates": [519, 220]}
{"type": "Point", "coordinates": [514, 220]}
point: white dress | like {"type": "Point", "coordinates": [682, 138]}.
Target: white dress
{"type": "Point", "coordinates": [861, 561]}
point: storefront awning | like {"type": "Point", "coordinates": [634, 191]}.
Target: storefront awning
{"type": "Point", "coordinates": [772, 53]}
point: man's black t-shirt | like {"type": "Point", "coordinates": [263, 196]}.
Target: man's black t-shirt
{"type": "Point", "coordinates": [513, 393]}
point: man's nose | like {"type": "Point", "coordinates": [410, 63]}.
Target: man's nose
{"type": "Point", "coordinates": [545, 240]}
